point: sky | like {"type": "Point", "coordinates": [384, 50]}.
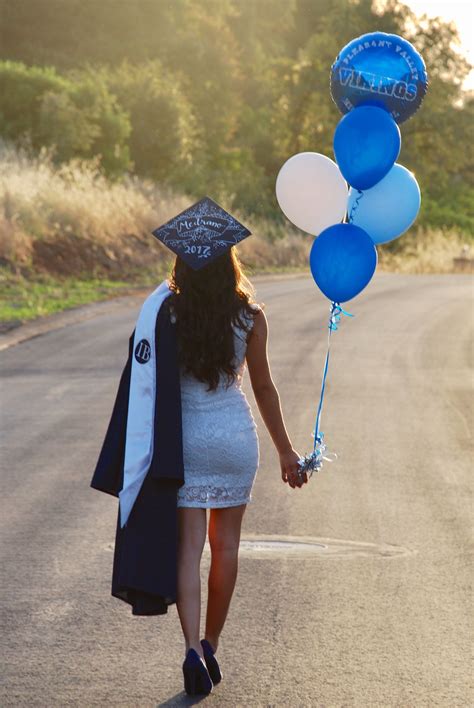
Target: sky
{"type": "Point", "coordinates": [461, 12]}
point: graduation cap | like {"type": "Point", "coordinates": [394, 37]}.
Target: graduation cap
{"type": "Point", "coordinates": [201, 233]}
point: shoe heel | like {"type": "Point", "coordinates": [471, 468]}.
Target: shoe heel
{"type": "Point", "coordinates": [211, 662]}
{"type": "Point", "coordinates": [196, 678]}
{"type": "Point", "coordinates": [190, 681]}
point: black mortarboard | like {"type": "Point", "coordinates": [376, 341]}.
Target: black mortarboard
{"type": "Point", "coordinates": [201, 233]}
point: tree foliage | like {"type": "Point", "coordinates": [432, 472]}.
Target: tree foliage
{"type": "Point", "coordinates": [214, 96]}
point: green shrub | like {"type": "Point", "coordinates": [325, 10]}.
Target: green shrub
{"type": "Point", "coordinates": [453, 209]}
{"type": "Point", "coordinates": [162, 126]}
{"type": "Point", "coordinates": [78, 117]}
{"type": "Point", "coordinates": [22, 89]}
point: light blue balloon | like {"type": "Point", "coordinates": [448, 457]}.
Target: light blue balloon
{"type": "Point", "coordinates": [389, 208]}
{"type": "Point", "coordinates": [366, 144]}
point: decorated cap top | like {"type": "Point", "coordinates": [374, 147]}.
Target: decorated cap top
{"type": "Point", "coordinates": [201, 233]}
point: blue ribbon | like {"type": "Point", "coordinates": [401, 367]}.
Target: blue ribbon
{"type": "Point", "coordinates": [313, 461]}
{"type": "Point", "coordinates": [354, 207]}
{"type": "Point", "coordinates": [334, 318]}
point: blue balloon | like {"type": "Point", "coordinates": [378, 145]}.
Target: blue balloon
{"type": "Point", "coordinates": [388, 209]}
{"type": "Point", "coordinates": [343, 259]}
{"type": "Point", "coordinates": [379, 69]}
{"type": "Point", "coordinates": [366, 144]}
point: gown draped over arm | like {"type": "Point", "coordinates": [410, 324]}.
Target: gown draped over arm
{"type": "Point", "coordinates": [144, 570]}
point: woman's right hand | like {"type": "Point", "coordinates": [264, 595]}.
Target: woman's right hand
{"type": "Point", "coordinates": [289, 469]}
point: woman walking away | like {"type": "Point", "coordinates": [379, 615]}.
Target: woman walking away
{"type": "Point", "coordinates": [219, 329]}
{"type": "Point", "coordinates": [182, 438]}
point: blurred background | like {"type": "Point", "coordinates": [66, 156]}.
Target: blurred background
{"type": "Point", "coordinates": [117, 114]}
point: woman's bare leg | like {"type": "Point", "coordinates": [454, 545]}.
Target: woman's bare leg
{"type": "Point", "coordinates": [224, 538]}
{"type": "Point", "coordinates": [192, 536]}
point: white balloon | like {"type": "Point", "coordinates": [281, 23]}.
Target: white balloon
{"type": "Point", "coordinates": [311, 192]}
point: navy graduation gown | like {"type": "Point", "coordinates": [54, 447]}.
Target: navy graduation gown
{"type": "Point", "coordinates": [145, 557]}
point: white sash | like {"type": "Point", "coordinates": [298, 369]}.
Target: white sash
{"type": "Point", "coordinates": [141, 402]}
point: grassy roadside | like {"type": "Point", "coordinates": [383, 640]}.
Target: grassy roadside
{"type": "Point", "coordinates": [26, 294]}
{"type": "Point", "coordinates": [23, 299]}
{"type": "Point", "coordinates": [69, 236]}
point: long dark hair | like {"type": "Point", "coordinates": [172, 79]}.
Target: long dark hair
{"type": "Point", "coordinates": [206, 303]}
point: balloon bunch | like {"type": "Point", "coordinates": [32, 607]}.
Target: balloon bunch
{"type": "Point", "coordinates": [378, 81]}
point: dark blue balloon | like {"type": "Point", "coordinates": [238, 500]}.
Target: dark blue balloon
{"type": "Point", "coordinates": [382, 70]}
{"type": "Point", "coordinates": [343, 259]}
{"type": "Point", "coordinates": [366, 144]}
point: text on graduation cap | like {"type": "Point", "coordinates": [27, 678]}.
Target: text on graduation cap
{"type": "Point", "coordinates": [191, 224]}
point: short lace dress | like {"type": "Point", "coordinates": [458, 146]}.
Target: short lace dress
{"type": "Point", "coordinates": [220, 440]}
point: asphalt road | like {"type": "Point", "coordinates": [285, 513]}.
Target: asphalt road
{"type": "Point", "coordinates": [376, 615]}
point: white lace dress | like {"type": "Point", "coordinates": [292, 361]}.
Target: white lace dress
{"type": "Point", "coordinates": [220, 441]}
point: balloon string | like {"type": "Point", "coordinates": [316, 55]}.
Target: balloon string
{"type": "Point", "coordinates": [355, 205]}
{"type": "Point", "coordinates": [334, 317]}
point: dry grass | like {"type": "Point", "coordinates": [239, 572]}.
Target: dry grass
{"type": "Point", "coordinates": [71, 221]}
{"type": "Point", "coordinates": [43, 203]}
{"type": "Point", "coordinates": [422, 251]}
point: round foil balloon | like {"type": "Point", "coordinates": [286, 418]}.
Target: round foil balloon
{"type": "Point", "coordinates": [311, 192]}
{"type": "Point", "coordinates": [379, 69]}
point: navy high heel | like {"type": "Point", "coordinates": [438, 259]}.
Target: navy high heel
{"type": "Point", "coordinates": [211, 662]}
{"type": "Point", "coordinates": [196, 677]}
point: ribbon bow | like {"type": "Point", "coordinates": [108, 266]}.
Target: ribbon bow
{"type": "Point", "coordinates": [335, 315]}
